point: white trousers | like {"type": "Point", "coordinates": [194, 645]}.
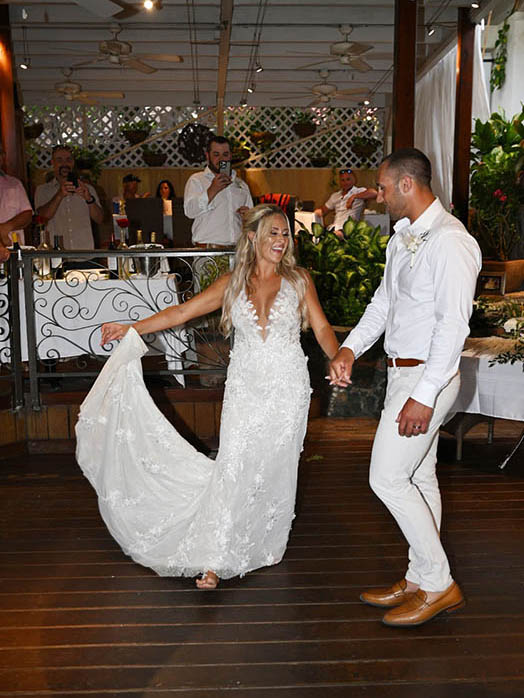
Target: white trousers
{"type": "Point", "coordinates": [403, 475]}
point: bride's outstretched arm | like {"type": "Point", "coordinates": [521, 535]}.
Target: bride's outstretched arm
{"type": "Point", "coordinates": [319, 324]}
{"type": "Point", "coordinates": [201, 304]}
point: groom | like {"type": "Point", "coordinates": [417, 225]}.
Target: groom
{"type": "Point", "coordinates": [423, 305]}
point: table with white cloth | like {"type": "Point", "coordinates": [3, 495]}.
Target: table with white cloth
{"type": "Point", "coordinates": [69, 313]}
{"type": "Point", "coordinates": [486, 392]}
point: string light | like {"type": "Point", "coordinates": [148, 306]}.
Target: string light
{"type": "Point", "coordinates": [430, 29]}
{"type": "Point", "coordinates": [148, 4]}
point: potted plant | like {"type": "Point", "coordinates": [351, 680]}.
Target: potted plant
{"type": "Point", "coordinates": [322, 156]}
{"type": "Point", "coordinates": [261, 137]}
{"type": "Point", "coordinates": [88, 162]}
{"type": "Point", "coordinates": [32, 131]}
{"type": "Point", "coordinates": [364, 147]}
{"type": "Point", "coordinates": [136, 131]}
{"type": "Point", "coordinates": [304, 125]}
{"type": "Point", "coordinates": [239, 149]}
{"type": "Point", "coordinates": [153, 156]}
{"type": "Point", "coordinates": [497, 193]}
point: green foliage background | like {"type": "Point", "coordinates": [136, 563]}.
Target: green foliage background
{"type": "Point", "coordinates": [346, 272]}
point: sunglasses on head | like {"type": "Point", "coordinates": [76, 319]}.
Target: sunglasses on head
{"type": "Point", "coordinates": [347, 171]}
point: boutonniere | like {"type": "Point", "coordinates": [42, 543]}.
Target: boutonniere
{"type": "Point", "coordinates": [412, 242]}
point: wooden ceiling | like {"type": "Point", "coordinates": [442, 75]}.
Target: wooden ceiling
{"type": "Point", "coordinates": [219, 42]}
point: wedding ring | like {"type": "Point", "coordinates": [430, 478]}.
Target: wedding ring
{"type": "Point", "coordinates": [416, 426]}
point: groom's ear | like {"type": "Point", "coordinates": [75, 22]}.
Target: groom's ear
{"type": "Point", "coordinates": [406, 184]}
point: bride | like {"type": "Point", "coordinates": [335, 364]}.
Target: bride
{"type": "Point", "coordinates": [170, 507]}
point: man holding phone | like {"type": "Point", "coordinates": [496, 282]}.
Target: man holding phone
{"type": "Point", "coordinates": [216, 199]}
{"type": "Point", "coordinates": [68, 204]}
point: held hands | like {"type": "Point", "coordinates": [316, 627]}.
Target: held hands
{"type": "Point", "coordinates": [220, 181]}
{"type": "Point", "coordinates": [340, 368]}
{"type": "Point", "coordinates": [4, 253]}
{"type": "Point", "coordinates": [242, 211]}
{"type": "Point", "coordinates": [113, 330]}
{"type": "Point", "coordinates": [414, 418]}
{"type": "Point", "coordinates": [349, 202]}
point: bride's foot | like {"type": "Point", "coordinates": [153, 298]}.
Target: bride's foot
{"type": "Point", "coordinates": [209, 580]}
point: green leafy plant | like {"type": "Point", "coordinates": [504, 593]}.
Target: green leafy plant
{"type": "Point", "coordinates": [322, 156]}
{"type": "Point", "coordinates": [88, 159]}
{"type": "Point", "coordinates": [364, 147]}
{"type": "Point", "coordinates": [497, 153]}
{"type": "Point", "coordinates": [346, 272]}
{"type": "Point", "coordinates": [304, 124]}
{"type": "Point", "coordinates": [504, 319]}
{"type": "Point", "coordinates": [136, 131]}
{"type": "Point", "coordinates": [500, 57]}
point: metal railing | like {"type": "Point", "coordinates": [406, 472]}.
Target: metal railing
{"type": "Point", "coordinates": [52, 305]}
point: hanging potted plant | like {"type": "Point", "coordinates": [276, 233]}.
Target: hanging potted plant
{"type": "Point", "coordinates": [32, 131]}
{"type": "Point", "coordinates": [497, 193]}
{"type": "Point", "coordinates": [261, 137]}
{"type": "Point", "coordinates": [304, 125]}
{"type": "Point", "coordinates": [323, 156]}
{"type": "Point", "coordinates": [88, 162]}
{"type": "Point", "coordinates": [239, 149]}
{"type": "Point", "coordinates": [153, 156]}
{"type": "Point", "coordinates": [364, 147]}
{"type": "Point", "coordinates": [136, 131]}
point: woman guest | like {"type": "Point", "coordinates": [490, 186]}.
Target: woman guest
{"type": "Point", "coordinates": [166, 192]}
{"type": "Point", "coordinates": [170, 507]}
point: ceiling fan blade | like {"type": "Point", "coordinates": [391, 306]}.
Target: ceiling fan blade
{"type": "Point", "coordinates": [295, 94]}
{"type": "Point", "coordinates": [359, 49]}
{"type": "Point", "coordinates": [168, 57]}
{"type": "Point", "coordinates": [135, 64]}
{"type": "Point", "coordinates": [89, 62]}
{"type": "Point", "coordinates": [127, 10]}
{"type": "Point", "coordinates": [102, 8]}
{"type": "Point", "coordinates": [305, 53]}
{"type": "Point", "coordinates": [310, 65]}
{"type": "Point", "coordinates": [353, 91]}
{"type": "Point", "coordinates": [102, 93]}
{"type": "Point", "coordinates": [360, 64]}
{"type": "Point", "coordinates": [84, 99]}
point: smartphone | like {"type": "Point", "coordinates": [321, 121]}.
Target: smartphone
{"type": "Point", "coordinates": [224, 167]}
{"type": "Point", "coordinates": [73, 178]}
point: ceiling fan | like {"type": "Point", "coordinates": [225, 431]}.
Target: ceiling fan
{"type": "Point", "coordinates": [119, 9]}
{"type": "Point", "coordinates": [73, 92]}
{"type": "Point", "coordinates": [346, 53]}
{"type": "Point", "coordinates": [120, 53]}
{"type": "Point", "coordinates": [323, 92]}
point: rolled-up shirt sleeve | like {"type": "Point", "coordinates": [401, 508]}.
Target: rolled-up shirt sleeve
{"type": "Point", "coordinates": [455, 264]}
{"type": "Point", "coordinates": [195, 198]}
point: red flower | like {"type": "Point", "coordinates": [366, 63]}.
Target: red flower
{"type": "Point", "coordinates": [122, 222]}
{"type": "Point", "coordinates": [497, 193]}
{"type": "Point", "coordinates": [38, 220]}
{"type": "Point", "coordinates": [503, 198]}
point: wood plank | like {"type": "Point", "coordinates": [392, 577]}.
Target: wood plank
{"type": "Point", "coordinates": [7, 427]}
{"type": "Point", "coordinates": [205, 419]}
{"type": "Point", "coordinates": [404, 71]}
{"type": "Point", "coordinates": [58, 422]}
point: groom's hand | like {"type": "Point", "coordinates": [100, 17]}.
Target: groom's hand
{"type": "Point", "coordinates": [340, 368]}
{"type": "Point", "coordinates": [414, 418]}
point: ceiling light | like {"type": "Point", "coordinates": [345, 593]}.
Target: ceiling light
{"type": "Point", "coordinates": [251, 88]}
{"type": "Point", "coordinates": [148, 4]}
{"type": "Point", "coordinates": [430, 29]}
{"type": "Point", "coordinates": [366, 102]}
{"type": "Point", "coordinates": [482, 24]}
{"type": "Point", "coordinates": [475, 5]}
{"type": "Point", "coordinates": [243, 102]}
{"type": "Point", "coordinates": [258, 67]}
{"type": "Point", "coordinates": [25, 14]}
{"type": "Point", "coordinates": [25, 65]}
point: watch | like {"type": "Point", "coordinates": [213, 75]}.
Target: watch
{"type": "Point", "coordinates": [90, 201]}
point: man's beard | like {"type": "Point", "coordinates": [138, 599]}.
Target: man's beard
{"type": "Point", "coordinates": [212, 167]}
{"type": "Point", "coordinates": [63, 171]}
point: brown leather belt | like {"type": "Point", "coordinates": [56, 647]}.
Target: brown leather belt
{"type": "Point", "coordinates": [213, 246]}
{"type": "Point", "coordinates": [401, 363]}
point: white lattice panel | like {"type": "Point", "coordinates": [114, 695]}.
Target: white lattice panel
{"type": "Point", "coordinates": [98, 128]}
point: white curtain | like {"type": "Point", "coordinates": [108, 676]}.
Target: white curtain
{"type": "Point", "coordinates": [435, 114]}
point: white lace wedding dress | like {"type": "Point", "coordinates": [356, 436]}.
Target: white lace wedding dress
{"type": "Point", "coordinates": [170, 507]}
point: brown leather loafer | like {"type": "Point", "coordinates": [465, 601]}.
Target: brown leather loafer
{"type": "Point", "coordinates": [418, 610]}
{"type": "Point", "coordinates": [387, 597]}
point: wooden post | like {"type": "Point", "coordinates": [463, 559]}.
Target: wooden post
{"type": "Point", "coordinates": [403, 125]}
{"type": "Point", "coordinates": [464, 92]}
{"type": "Point", "coordinates": [8, 123]}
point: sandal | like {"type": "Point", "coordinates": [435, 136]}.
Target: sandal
{"type": "Point", "coordinates": [209, 580]}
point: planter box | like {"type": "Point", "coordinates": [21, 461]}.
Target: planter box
{"type": "Point", "coordinates": [154, 159]}
{"type": "Point", "coordinates": [304, 129]}
{"type": "Point", "coordinates": [135, 137]}
{"type": "Point", "coordinates": [514, 269]}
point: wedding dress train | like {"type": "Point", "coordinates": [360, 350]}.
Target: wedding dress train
{"type": "Point", "coordinates": [170, 507]}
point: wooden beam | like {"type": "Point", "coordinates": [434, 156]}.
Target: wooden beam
{"type": "Point", "coordinates": [464, 91]}
{"type": "Point", "coordinates": [226, 17]}
{"type": "Point", "coordinates": [8, 122]}
{"type": "Point", "coordinates": [404, 73]}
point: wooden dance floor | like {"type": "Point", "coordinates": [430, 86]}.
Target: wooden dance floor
{"type": "Point", "coordinates": [78, 618]}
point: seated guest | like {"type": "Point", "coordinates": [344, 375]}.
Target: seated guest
{"type": "Point", "coordinates": [15, 209]}
{"type": "Point", "coordinates": [166, 192]}
{"type": "Point", "coordinates": [347, 202]}
{"type": "Point", "coordinates": [68, 206]}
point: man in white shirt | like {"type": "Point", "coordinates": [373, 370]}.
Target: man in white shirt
{"type": "Point", "coordinates": [68, 207]}
{"type": "Point", "coordinates": [216, 201]}
{"type": "Point", "coordinates": [347, 202]}
{"type": "Point", "coordinates": [15, 209]}
{"type": "Point", "coordinates": [423, 305]}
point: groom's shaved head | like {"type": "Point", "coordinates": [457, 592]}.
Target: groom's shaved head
{"type": "Point", "coordinates": [411, 162]}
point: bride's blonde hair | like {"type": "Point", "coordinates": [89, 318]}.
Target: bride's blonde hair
{"type": "Point", "coordinates": [259, 222]}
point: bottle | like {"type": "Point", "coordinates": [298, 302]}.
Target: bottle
{"type": "Point", "coordinates": [43, 264]}
{"type": "Point", "coordinates": [112, 262]}
{"type": "Point", "coordinates": [139, 238]}
{"type": "Point", "coordinates": [123, 262]}
{"type": "Point", "coordinates": [18, 252]}
{"type": "Point", "coordinates": [56, 261]}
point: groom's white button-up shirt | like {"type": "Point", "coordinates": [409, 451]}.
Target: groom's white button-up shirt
{"type": "Point", "coordinates": [424, 301]}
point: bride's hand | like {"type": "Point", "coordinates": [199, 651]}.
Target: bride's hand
{"type": "Point", "coordinates": [113, 330]}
